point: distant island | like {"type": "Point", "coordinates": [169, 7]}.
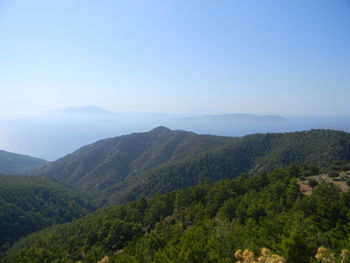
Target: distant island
{"type": "Point", "coordinates": [237, 117]}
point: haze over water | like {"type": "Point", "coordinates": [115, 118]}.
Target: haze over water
{"type": "Point", "coordinates": [174, 59]}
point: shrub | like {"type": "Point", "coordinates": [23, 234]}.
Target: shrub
{"type": "Point", "coordinates": [247, 256]}
{"type": "Point", "coordinates": [348, 182]}
{"type": "Point", "coordinates": [343, 178]}
{"type": "Point", "coordinates": [306, 173]}
{"type": "Point", "coordinates": [333, 174]}
{"type": "Point", "coordinates": [312, 183]}
{"type": "Point", "coordinates": [314, 170]}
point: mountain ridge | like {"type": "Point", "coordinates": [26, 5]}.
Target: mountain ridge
{"type": "Point", "coordinates": [111, 160]}
{"type": "Point", "coordinates": [161, 160]}
{"type": "Point", "coordinates": [253, 154]}
{"type": "Point", "coordinates": [14, 163]}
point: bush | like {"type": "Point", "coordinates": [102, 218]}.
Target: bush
{"type": "Point", "coordinates": [312, 182]}
{"type": "Point", "coordinates": [302, 178]}
{"type": "Point", "coordinates": [333, 174]}
{"type": "Point", "coordinates": [306, 173]}
{"type": "Point", "coordinates": [348, 182]}
{"type": "Point", "coordinates": [314, 170]}
{"type": "Point", "coordinates": [343, 178]}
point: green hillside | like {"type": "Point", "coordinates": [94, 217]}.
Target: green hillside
{"type": "Point", "coordinates": [13, 163]}
{"type": "Point", "coordinates": [253, 154]}
{"type": "Point", "coordinates": [144, 164]}
{"type": "Point", "coordinates": [206, 223]}
{"type": "Point", "coordinates": [29, 204]}
{"type": "Point", "coordinates": [106, 162]}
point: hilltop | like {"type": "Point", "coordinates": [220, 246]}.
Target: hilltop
{"type": "Point", "coordinates": [106, 162]}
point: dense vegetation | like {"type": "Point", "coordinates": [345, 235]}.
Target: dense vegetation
{"type": "Point", "coordinates": [12, 163]}
{"type": "Point", "coordinates": [159, 161]}
{"type": "Point", "coordinates": [205, 223]}
{"type": "Point", "coordinates": [29, 204]}
{"type": "Point", "coordinates": [253, 154]}
{"type": "Point", "coordinates": [106, 162]}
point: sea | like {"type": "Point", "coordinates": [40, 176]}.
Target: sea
{"type": "Point", "coordinates": [52, 137]}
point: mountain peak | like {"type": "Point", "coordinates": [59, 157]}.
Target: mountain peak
{"type": "Point", "coordinates": [160, 129]}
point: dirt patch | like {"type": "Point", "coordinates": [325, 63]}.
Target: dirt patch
{"type": "Point", "coordinates": [340, 181]}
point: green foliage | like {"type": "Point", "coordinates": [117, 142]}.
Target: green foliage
{"type": "Point", "coordinates": [312, 182]}
{"type": "Point", "coordinates": [333, 174]}
{"type": "Point", "coordinates": [29, 204]}
{"type": "Point", "coordinates": [253, 154]}
{"type": "Point", "coordinates": [205, 223]}
{"type": "Point", "coordinates": [110, 161]}
{"type": "Point", "coordinates": [146, 164]}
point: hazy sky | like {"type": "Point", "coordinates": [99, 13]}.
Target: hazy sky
{"type": "Point", "coordinates": [176, 56]}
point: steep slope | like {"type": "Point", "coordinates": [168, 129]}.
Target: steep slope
{"type": "Point", "coordinates": [253, 154]}
{"type": "Point", "coordinates": [206, 223]}
{"type": "Point", "coordinates": [29, 204]}
{"type": "Point", "coordinates": [13, 163]}
{"type": "Point", "coordinates": [106, 162]}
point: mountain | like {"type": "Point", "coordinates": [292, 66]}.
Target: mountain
{"type": "Point", "coordinates": [13, 163]}
{"type": "Point", "coordinates": [254, 154]}
{"type": "Point", "coordinates": [205, 223]}
{"type": "Point", "coordinates": [238, 117]}
{"type": "Point", "coordinates": [145, 164]}
{"type": "Point", "coordinates": [29, 204]}
{"type": "Point", "coordinates": [109, 161]}
{"type": "Point", "coordinates": [84, 111]}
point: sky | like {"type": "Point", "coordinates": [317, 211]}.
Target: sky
{"type": "Point", "coordinates": [183, 56]}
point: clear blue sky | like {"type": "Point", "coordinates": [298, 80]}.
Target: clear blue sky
{"type": "Point", "coordinates": [176, 56]}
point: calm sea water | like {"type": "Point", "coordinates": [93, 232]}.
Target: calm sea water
{"type": "Point", "coordinates": [52, 137]}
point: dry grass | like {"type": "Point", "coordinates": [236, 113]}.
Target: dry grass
{"type": "Point", "coordinates": [324, 178]}
{"type": "Point", "coordinates": [104, 260]}
{"type": "Point", "coordinates": [266, 256]}
{"type": "Point", "coordinates": [325, 256]}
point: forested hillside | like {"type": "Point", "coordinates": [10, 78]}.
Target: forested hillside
{"type": "Point", "coordinates": [13, 163]}
{"type": "Point", "coordinates": [205, 223]}
{"type": "Point", "coordinates": [106, 162]}
{"type": "Point", "coordinates": [29, 204]}
{"type": "Point", "coordinates": [143, 164]}
{"type": "Point", "coordinates": [253, 154]}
